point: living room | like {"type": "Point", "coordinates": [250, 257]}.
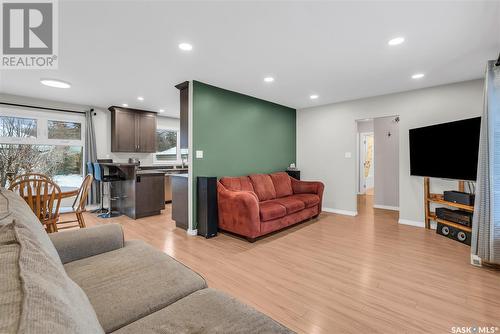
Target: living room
{"type": "Point", "coordinates": [249, 167]}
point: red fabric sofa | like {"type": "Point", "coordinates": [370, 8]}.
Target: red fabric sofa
{"type": "Point", "coordinates": [255, 205]}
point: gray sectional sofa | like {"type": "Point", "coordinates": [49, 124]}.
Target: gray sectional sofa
{"type": "Point", "coordinates": [92, 281]}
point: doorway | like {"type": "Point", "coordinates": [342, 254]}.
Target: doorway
{"type": "Point", "coordinates": [378, 162]}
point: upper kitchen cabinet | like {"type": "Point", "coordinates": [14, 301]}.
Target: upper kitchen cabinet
{"type": "Point", "coordinates": [184, 102]}
{"type": "Point", "coordinates": [132, 130]}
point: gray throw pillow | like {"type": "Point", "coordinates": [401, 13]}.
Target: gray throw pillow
{"type": "Point", "coordinates": [51, 301]}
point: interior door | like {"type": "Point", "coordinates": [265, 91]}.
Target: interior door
{"type": "Point", "coordinates": [123, 132]}
{"type": "Point", "coordinates": [366, 170]}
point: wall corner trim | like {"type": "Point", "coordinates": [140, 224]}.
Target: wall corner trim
{"type": "Point", "coordinates": [341, 212]}
{"type": "Point", "coordinates": [386, 207]}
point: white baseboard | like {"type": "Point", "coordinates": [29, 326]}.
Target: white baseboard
{"type": "Point", "coordinates": [192, 232]}
{"type": "Point", "coordinates": [416, 223]}
{"type": "Point", "coordinates": [386, 207]}
{"type": "Point", "coordinates": [341, 212]}
{"type": "Point", "coordinates": [476, 260]}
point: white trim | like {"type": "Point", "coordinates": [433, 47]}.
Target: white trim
{"type": "Point", "coordinates": [192, 232]}
{"type": "Point", "coordinates": [386, 207]}
{"type": "Point", "coordinates": [411, 222]}
{"type": "Point", "coordinates": [341, 212]}
{"type": "Point", "coordinates": [476, 260]}
{"type": "Point", "coordinates": [190, 156]}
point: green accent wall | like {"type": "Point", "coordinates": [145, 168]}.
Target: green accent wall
{"type": "Point", "coordinates": [239, 134]}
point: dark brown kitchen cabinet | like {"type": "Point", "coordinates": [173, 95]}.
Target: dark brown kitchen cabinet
{"type": "Point", "coordinates": [132, 130]}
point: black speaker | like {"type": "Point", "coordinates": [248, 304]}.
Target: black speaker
{"type": "Point", "coordinates": [459, 197]}
{"type": "Point", "coordinates": [207, 206]}
{"type": "Point", "coordinates": [454, 233]}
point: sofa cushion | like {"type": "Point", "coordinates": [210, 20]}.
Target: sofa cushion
{"type": "Point", "coordinates": [282, 184]}
{"type": "Point", "coordinates": [270, 210]}
{"type": "Point", "coordinates": [40, 297]}
{"type": "Point", "coordinates": [129, 283]}
{"type": "Point", "coordinates": [18, 209]}
{"type": "Point", "coordinates": [206, 311]}
{"type": "Point", "coordinates": [291, 204]}
{"type": "Point", "coordinates": [263, 186]}
{"type": "Point", "coordinates": [308, 199]}
{"type": "Point", "coordinates": [237, 183]}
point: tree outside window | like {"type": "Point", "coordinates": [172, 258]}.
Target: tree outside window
{"type": "Point", "coordinates": [166, 145]}
{"type": "Point", "coordinates": [63, 163]}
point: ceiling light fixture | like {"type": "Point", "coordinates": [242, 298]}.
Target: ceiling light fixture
{"type": "Point", "coordinates": [185, 47]}
{"type": "Point", "coordinates": [396, 41]}
{"type": "Point", "coordinates": [55, 83]}
{"type": "Point", "coordinates": [313, 97]}
{"type": "Point", "coordinates": [161, 110]}
{"type": "Point", "coordinates": [268, 79]}
{"type": "Point", "coordinates": [124, 105]}
{"type": "Point", "coordinates": [418, 76]}
{"type": "Point", "coordinates": [140, 98]}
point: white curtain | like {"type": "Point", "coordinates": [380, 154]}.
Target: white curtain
{"type": "Point", "coordinates": [486, 221]}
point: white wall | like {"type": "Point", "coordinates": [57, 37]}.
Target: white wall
{"type": "Point", "coordinates": [386, 159]}
{"type": "Point", "coordinates": [325, 133]}
{"type": "Point", "coordinates": [365, 125]}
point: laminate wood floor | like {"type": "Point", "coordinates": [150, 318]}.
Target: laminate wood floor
{"type": "Point", "coordinates": [339, 274]}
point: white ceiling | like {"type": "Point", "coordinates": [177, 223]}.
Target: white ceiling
{"type": "Point", "coordinates": [114, 51]}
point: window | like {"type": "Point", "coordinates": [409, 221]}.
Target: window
{"type": "Point", "coordinates": [167, 146]}
{"type": "Point", "coordinates": [40, 141]}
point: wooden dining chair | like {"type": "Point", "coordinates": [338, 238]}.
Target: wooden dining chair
{"type": "Point", "coordinates": [43, 197]}
{"type": "Point", "coordinates": [78, 207]}
{"type": "Point", "coordinates": [27, 176]}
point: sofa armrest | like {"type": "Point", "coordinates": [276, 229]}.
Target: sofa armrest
{"type": "Point", "coordinates": [79, 244]}
{"type": "Point", "coordinates": [238, 211]}
{"type": "Point", "coordinates": [309, 187]}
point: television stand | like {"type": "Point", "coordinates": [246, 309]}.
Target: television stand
{"type": "Point", "coordinates": [438, 199]}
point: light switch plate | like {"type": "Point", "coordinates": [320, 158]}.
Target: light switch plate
{"type": "Point", "coordinates": [348, 155]}
{"type": "Point", "coordinates": [199, 154]}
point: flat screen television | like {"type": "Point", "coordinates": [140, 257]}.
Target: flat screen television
{"type": "Point", "coordinates": [447, 150]}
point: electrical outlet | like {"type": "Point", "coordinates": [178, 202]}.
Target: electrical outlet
{"type": "Point", "coordinates": [199, 154]}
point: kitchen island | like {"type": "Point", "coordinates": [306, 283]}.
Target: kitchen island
{"type": "Point", "coordinates": [180, 200]}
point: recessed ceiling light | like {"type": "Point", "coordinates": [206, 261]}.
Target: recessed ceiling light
{"type": "Point", "coordinates": [55, 83]}
{"type": "Point", "coordinates": [268, 79]}
{"type": "Point", "coordinates": [140, 98]}
{"type": "Point", "coordinates": [124, 105]}
{"type": "Point", "coordinates": [161, 110]}
{"type": "Point", "coordinates": [185, 47]}
{"type": "Point", "coordinates": [396, 41]}
{"type": "Point", "coordinates": [313, 97]}
{"type": "Point", "coordinates": [418, 76]}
